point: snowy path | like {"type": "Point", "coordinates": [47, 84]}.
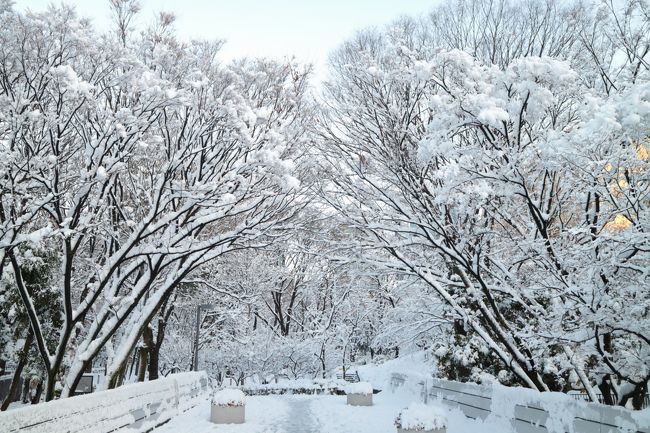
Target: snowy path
{"type": "Point", "coordinates": [263, 415]}
{"type": "Point", "coordinates": [300, 418]}
{"type": "Point", "coordinates": [313, 414]}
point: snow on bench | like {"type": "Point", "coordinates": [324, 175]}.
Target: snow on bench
{"type": "Point", "coordinates": [139, 406]}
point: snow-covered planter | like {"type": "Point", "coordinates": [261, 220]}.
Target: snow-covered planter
{"type": "Point", "coordinates": [359, 394]}
{"type": "Point", "coordinates": [421, 418]}
{"type": "Point", "coordinates": [228, 407]}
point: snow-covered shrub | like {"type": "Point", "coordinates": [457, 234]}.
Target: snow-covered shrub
{"type": "Point", "coordinates": [419, 416]}
{"type": "Point", "coordinates": [359, 388]}
{"type": "Point", "coordinates": [229, 397]}
{"type": "Point", "coordinates": [299, 386]}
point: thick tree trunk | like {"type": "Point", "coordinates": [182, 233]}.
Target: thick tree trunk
{"type": "Point", "coordinates": [639, 395]}
{"type": "Point", "coordinates": [142, 366]}
{"type": "Point", "coordinates": [154, 349]}
{"type": "Point", "coordinates": [15, 380]}
{"type": "Point", "coordinates": [55, 367]}
{"type": "Point", "coordinates": [154, 357]}
{"type": "Point", "coordinates": [606, 390]}
{"type": "Point", "coordinates": [51, 383]}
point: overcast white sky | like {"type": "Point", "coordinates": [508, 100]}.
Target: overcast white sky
{"type": "Point", "coordinates": [308, 29]}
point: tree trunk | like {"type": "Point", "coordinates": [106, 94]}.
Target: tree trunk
{"type": "Point", "coordinates": [154, 349]}
{"type": "Point", "coordinates": [142, 366]}
{"type": "Point", "coordinates": [15, 380]}
{"type": "Point", "coordinates": [133, 362]}
{"type": "Point", "coordinates": [322, 360]}
{"type": "Point", "coordinates": [154, 357]}
{"type": "Point", "coordinates": [606, 390]}
{"type": "Point", "coordinates": [55, 367]}
{"type": "Point", "coordinates": [50, 384]}
{"type": "Point", "coordinates": [637, 395]}
{"type": "Point", "coordinates": [145, 350]}
{"type": "Point", "coordinates": [117, 378]}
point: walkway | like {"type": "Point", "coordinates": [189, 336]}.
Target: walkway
{"type": "Point", "coordinates": [300, 419]}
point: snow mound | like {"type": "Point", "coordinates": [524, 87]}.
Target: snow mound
{"type": "Point", "coordinates": [228, 397]}
{"type": "Point", "coordinates": [419, 416]}
{"type": "Point", "coordinates": [413, 365]}
{"type": "Point", "coordinates": [359, 388]}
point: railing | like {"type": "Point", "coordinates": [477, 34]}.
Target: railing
{"type": "Point", "coordinates": [349, 377]}
{"type": "Point", "coordinates": [533, 412]}
{"type": "Point", "coordinates": [140, 407]}
{"type": "Point", "coordinates": [5, 385]}
{"type": "Point", "coordinates": [582, 396]}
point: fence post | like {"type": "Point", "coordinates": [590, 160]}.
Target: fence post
{"type": "Point", "coordinates": [426, 391]}
{"type": "Point", "coordinates": [176, 396]}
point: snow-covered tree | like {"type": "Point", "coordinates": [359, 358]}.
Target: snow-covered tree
{"type": "Point", "coordinates": [514, 190]}
{"type": "Point", "coordinates": [473, 182]}
{"type": "Point", "coordinates": [135, 163]}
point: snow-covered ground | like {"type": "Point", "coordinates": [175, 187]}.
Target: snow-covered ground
{"type": "Point", "coordinates": [329, 413]}
{"type": "Point", "coordinates": [316, 414]}
{"type": "Point", "coordinates": [263, 415]}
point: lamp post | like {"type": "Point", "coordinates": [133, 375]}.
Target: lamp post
{"type": "Point", "coordinates": [199, 309]}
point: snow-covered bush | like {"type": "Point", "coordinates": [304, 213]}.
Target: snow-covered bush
{"type": "Point", "coordinates": [229, 397]}
{"type": "Point", "coordinates": [363, 388]}
{"type": "Point", "coordinates": [419, 416]}
{"type": "Point", "coordinates": [297, 386]}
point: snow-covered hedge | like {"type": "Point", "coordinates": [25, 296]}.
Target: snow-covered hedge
{"type": "Point", "coordinates": [141, 406]}
{"type": "Point", "coordinates": [229, 397]}
{"type": "Point", "coordinates": [359, 388]}
{"type": "Point", "coordinates": [419, 416]}
{"type": "Point", "coordinates": [299, 386]}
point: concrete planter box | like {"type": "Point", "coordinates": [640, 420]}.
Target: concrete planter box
{"type": "Point", "coordinates": [360, 399]}
{"type": "Point", "coordinates": [227, 414]}
{"type": "Point", "coordinates": [438, 430]}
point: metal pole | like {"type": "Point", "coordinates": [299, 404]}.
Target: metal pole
{"type": "Point", "coordinates": [195, 363]}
